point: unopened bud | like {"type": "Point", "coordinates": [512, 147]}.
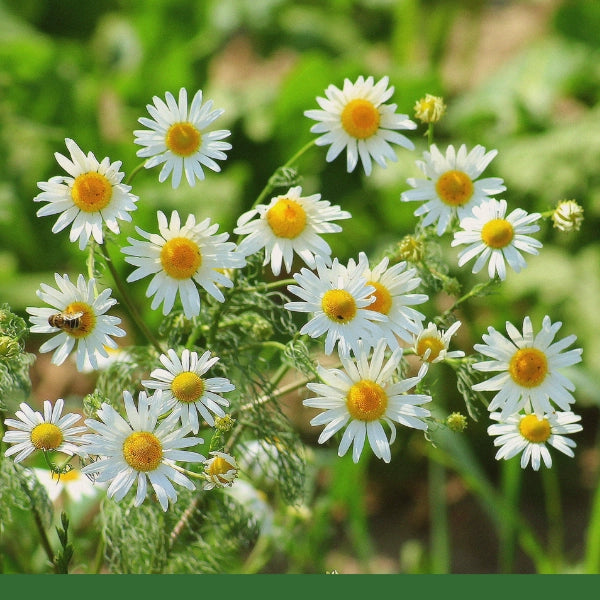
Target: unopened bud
{"type": "Point", "coordinates": [430, 109]}
{"type": "Point", "coordinates": [456, 422]}
{"type": "Point", "coordinates": [567, 216]}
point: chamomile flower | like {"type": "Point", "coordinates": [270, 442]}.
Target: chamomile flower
{"type": "Point", "coordinates": [529, 364]}
{"type": "Point", "coordinates": [392, 298]}
{"type": "Point", "coordinates": [90, 197]}
{"type": "Point", "coordinates": [73, 484]}
{"type": "Point", "coordinates": [528, 434]}
{"type": "Point", "coordinates": [357, 119]}
{"type": "Point", "coordinates": [50, 431]}
{"type": "Point", "coordinates": [78, 315]}
{"type": "Point", "coordinates": [176, 136]}
{"type": "Point", "coordinates": [185, 392]}
{"type": "Point", "coordinates": [338, 298]}
{"type": "Point", "coordinates": [497, 238]}
{"type": "Point", "coordinates": [139, 449]}
{"type": "Point", "coordinates": [181, 257]}
{"type": "Point", "coordinates": [220, 470]}
{"type": "Point", "coordinates": [290, 223]}
{"type": "Point", "coordinates": [431, 344]}
{"type": "Point", "coordinates": [567, 216]}
{"type": "Point", "coordinates": [451, 187]}
{"type": "Point", "coordinates": [363, 395]}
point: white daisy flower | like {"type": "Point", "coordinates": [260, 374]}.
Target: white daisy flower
{"type": "Point", "coordinates": [180, 258]}
{"type": "Point", "coordinates": [338, 298]}
{"type": "Point", "coordinates": [91, 196]}
{"type": "Point", "coordinates": [49, 431]}
{"type": "Point", "coordinates": [178, 138]}
{"type": "Point", "coordinates": [529, 364]}
{"type": "Point", "coordinates": [74, 484]}
{"type": "Point", "coordinates": [289, 223]}
{"type": "Point", "coordinates": [220, 470]}
{"type": "Point", "coordinates": [185, 392]}
{"type": "Point", "coordinates": [432, 344]}
{"type": "Point", "coordinates": [139, 449]}
{"type": "Point", "coordinates": [528, 434]}
{"type": "Point", "coordinates": [356, 118]}
{"type": "Point", "coordinates": [392, 299]}
{"type": "Point", "coordinates": [451, 188]}
{"type": "Point", "coordinates": [361, 396]}
{"type": "Point", "coordinates": [78, 315]}
{"type": "Point", "coordinates": [497, 238]}
{"type": "Point", "coordinates": [256, 504]}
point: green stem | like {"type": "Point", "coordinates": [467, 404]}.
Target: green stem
{"type": "Point", "coordinates": [42, 533]}
{"type": "Point", "coordinates": [554, 515]}
{"type": "Point", "coordinates": [511, 485]}
{"type": "Point", "coordinates": [440, 561]}
{"type": "Point", "coordinates": [592, 550]}
{"type": "Point", "coordinates": [429, 135]}
{"type": "Point", "coordinates": [134, 173]}
{"type": "Point", "coordinates": [275, 379]}
{"type": "Point", "coordinates": [134, 314]}
{"type": "Point", "coordinates": [269, 286]}
{"type": "Point", "coordinates": [269, 186]}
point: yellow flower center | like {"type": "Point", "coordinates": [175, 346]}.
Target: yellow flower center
{"type": "Point", "coordinates": [497, 233]}
{"type": "Point", "coordinates": [383, 298]}
{"type": "Point", "coordinates": [46, 436]}
{"type": "Point", "coordinates": [454, 188]}
{"type": "Point", "coordinates": [187, 387]}
{"type": "Point", "coordinates": [534, 429]}
{"type": "Point", "coordinates": [360, 118]}
{"type": "Point", "coordinates": [83, 325]}
{"type": "Point", "coordinates": [287, 218]}
{"type": "Point", "coordinates": [528, 367]}
{"type": "Point", "coordinates": [180, 258]}
{"type": "Point", "coordinates": [91, 192]}
{"type": "Point", "coordinates": [366, 401]}
{"type": "Point", "coordinates": [142, 451]}
{"type": "Point", "coordinates": [72, 475]}
{"type": "Point", "coordinates": [339, 305]}
{"type": "Point", "coordinates": [218, 467]}
{"type": "Point", "coordinates": [183, 139]}
{"type": "Point", "coordinates": [434, 344]}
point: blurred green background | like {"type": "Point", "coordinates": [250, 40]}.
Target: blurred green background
{"type": "Point", "coordinates": [521, 77]}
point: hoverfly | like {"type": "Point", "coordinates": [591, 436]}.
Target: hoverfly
{"type": "Point", "coordinates": [66, 320]}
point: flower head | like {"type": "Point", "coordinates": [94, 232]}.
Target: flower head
{"type": "Point", "coordinates": [178, 138]}
{"type": "Point", "coordinates": [220, 470]}
{"type": "Point", "coordinates": [392, 298]}
{"type": "Point", "coordinates": [185, 392]}
{"type": "Point", "coordinates": [180, 258]}
{"type": "Point", "coordinates": [78, 315]}
{"type": "Point", "coordinates": [529, 364]}
{"type": "Point", "coordinates": [528, 434]}
{"type": "Point", "coordinates": [357, 119]}
{"type": "Point", "coordinates": [49, 431]}
{"type": "Point", "coordinates": [73, 484]}
{"type": "Point", "coordinates": [338, 298]}
{"type": "Point", "coordinates": [139, 449]}
{"type": "Point", "coordinates": [497, 238]}
{"type": "Point", "coordinates": [432, 345]}
{"type": "Point", "coordinates": [92, 195]}
{"type": "Point", "coordinates": [430, 109]}
{"type": "Point", "coordinates": [567, 216]}
{"type": "Point", "coordinates": [290, 223]}
{"type": "Point", "coordinates": [361, 397]}
{"type": "Point", "coordinates": [452, 187]}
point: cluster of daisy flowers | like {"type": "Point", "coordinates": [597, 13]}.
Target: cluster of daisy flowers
{"type": "Point", "coordinates": [366, 313]}
{"type": "Point", "coordinates": [143, 445]}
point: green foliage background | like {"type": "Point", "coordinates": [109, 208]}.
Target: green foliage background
{"type": "Point", "coordinates": [87, 70]}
